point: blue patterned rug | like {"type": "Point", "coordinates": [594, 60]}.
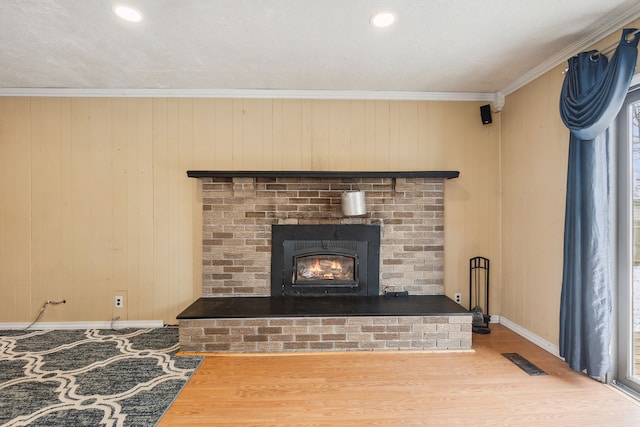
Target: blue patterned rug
{"type": "Point", "coordinates": [126, 377]}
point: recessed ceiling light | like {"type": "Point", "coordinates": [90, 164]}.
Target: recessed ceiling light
{"type": "Point", "coordinates": [127, 13]}
{"type": "Point", "coordinates": [382, 19]}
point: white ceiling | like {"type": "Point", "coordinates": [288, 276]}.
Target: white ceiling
{"type": "Point", "coordinates": [471, 46]}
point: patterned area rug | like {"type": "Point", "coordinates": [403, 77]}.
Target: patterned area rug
{"type": "Point", "coordinates": [125, 377]}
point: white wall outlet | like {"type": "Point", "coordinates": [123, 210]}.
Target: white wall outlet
{"type": "Point", "coordinates": [458, 297]}
{"type": "Point", "coordinates": [118, 301]}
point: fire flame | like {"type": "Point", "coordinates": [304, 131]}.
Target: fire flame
{"type": "Point", "coordinates": [325, 270]}
{"type": "Point", "coordinates": [316, 268]}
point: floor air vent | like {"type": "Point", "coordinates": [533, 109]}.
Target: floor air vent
{"type": "Point", "coordinates": [524, 364]}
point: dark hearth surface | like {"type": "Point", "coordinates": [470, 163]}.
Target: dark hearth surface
{"type": "Point", "coordinates": [332, 306]}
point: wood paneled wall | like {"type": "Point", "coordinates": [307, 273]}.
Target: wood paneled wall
{"type": "Point", "coordinates": [534, 155]}
{"type": "Point", "coordinates": [534, 174]}
{"type": "Point", "coordinates": [95, 201]}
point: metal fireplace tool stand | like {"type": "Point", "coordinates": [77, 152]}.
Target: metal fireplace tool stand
{"type": "Point", "coordinates": [479, 294]}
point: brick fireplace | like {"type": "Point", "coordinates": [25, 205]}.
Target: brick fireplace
{"type": "Point", "coordinates": [238, 215]}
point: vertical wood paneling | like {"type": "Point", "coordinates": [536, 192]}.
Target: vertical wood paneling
{"type": "Point", "coordinates": [267, 134]}
{"type": "Point", "coordinates": [15, 209]}
{"type": "Point", "coordinates": [223, 134]}
{"type": "Point", "coordinates": [66, 197]}
{"type": "Point", "coordinates": [369, 155]}
{"type": "Point", "coordinates": [549, 190]}
{"type": "Point", "coordinates": [181, 290]}
{"type": "Point", "coordinates": [253, 152]}
{"type": "Point", "coordinates": [356, 145]}
{"type": "Point", "coordinates": [307, 141]}
{"type": "Point", "coordinates": [81, 301]}
{"type": "Point", "coordinates": [512, 211]}
{"type": "Point", "coordinates": [119, 247]}
{"type": "Point", "coordinates": [457, 197]}
{"type": "Point", "coordinates": [161, 204]}
{"type": "Point", "coordinates": [404, 135]}
{"type": "Point", "coordinates": [51, 273]}
{"type": "Point", "coordinates": [133, 237]}
{"type": "Point", "coordinates": [237, 134]}
{"type": "Point", "coordinates": [144, 299]}
{"type": "Point", "coordinates": [113, 197]}
{"type": "Point", "coordinates": [394, 135]}
{"type": "Point", "coordinates": [381, 143]}
{"type": "Point", "coordinates": [101, 200]}
{"type": "Point", "coordinates": [481, 215]}
{"type": "Point", "coordinates": [533, 205]}
{"type": "Point", "coordinates": [339, 125]}
{"type": "Point", "coordinates": [433, 135]}
{"type": "Point", "coordinates": [408, 132]}
{"type": "Point", "coordinates": [170, 293]}
{"type": "Point", "coordinates": [288, 131]}
{"type": "Point", "coordinates": [203, 127]}
{"type": "Point", "coordinates": [320, 125]}
{"type": "Point", "coordinates": [46, 215]}
{"type": "Point", "coordinates": [278, 134]}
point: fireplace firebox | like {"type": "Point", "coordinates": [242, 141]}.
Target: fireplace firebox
{"type": "Point", "coordinates": [321, 260]}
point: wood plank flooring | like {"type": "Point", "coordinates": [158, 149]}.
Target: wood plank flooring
{"type": "Point", "coordinates": [480, 388]}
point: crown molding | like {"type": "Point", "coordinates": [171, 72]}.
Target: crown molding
{"type": "Point", "coordinates": [606, 27]}
{"type": "Point", "coordinates": [248, 93]}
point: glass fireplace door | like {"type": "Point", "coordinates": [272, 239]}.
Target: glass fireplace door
{"type": "Point", "coordinates": [319, 268]}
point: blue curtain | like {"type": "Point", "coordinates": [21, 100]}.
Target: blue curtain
{"type": "Point", "coordinates": [593, 92]}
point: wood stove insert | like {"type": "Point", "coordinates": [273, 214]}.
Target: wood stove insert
{"type": "Point", "coordinates": [325, 260]}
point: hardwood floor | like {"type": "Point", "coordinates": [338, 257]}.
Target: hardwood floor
{"type": "Point", "coordinates": [480, 388]}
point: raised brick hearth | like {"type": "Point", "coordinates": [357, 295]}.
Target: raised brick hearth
{"type": "Point", "coordinates": [238, 213]}
{"type": "Point", "coordinates": [329, 323]}
{"type": "Point", "coordinates": [326, 334]}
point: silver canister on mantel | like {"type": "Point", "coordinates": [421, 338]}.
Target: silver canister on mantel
{"type": "Point", "coordinates": [353, 203]}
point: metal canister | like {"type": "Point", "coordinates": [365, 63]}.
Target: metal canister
{"type": "Point", "coordinates": [353, 203]}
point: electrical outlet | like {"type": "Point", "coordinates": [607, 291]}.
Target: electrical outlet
{"type": "Point", "coordinates": [458, 297]}
{"type": "Point", "coordinates": [120, 305]}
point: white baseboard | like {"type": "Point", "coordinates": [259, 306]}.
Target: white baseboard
{"type": "Point", "coordinates": [530, 336]}
{"type": "Point", "coordinates": [84, 325]}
